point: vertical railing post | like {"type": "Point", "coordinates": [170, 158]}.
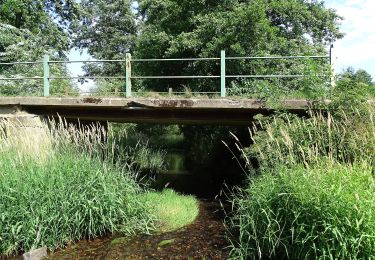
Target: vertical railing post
{"type": "Point", "coordinates": [332, 61]}
{"type": "Point", "coordinates": [128, 85]}
{"type": "Point", "coordinates": [46, 75]}
{"type": "Point", "coordinates": [222, 74]}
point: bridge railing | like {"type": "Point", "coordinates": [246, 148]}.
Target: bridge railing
{"type": "Point", "coordinates": [128, 77]}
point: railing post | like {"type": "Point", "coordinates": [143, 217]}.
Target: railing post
{"type": "Point", "coordinates": [46, 75]}
{"type": "Point", "coordinates": [332, 61]}
{"type": "Point", "coordinates": [222, 74]}
{"type": "Point", "coordinates": [128, 84]}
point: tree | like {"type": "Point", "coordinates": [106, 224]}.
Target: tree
{"type": "Point", "coordinates": [48, 19]}
{"type": "Point", "coordinates": [29, 29]}
{"type": "Point", "coordinates": [355, 85]}
{"type": "Point", "coordinates": [360, 76]}
{"type": "Point", "coordinates": [108, 30]}
{"type": "Point", "coordinates": [201, 28]}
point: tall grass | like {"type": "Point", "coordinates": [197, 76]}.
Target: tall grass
{"type": "Point", "coordinates": [70, 191]}
{"type": "Point", "coordinates": [289, 140]}
{"type": "Point", "coordinates": [311, 194]}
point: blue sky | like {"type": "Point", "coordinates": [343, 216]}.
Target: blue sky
{"type": "Point", "coordinates": [356, 49]}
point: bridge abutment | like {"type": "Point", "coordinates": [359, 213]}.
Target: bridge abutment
{"type": "Point", "coordinates": [30, 133]}
{"type": "Point", "coordinates": [24, 132]}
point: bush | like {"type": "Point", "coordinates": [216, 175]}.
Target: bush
{"type": "Point", "coordinates": [325, 212]}
{"type": "Point", "coordinates": [72, 192]}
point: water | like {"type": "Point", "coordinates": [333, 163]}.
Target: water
{"type": "Point", "coordinates": [175, 162]}
{"type": "Point", "coordinates": [203, 239]}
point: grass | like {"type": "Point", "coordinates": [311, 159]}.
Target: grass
{"type": "Point", "coordinates": [310, 193]}
{"type": "Point", "coordinates": [65, 193]}
{"type": "Point", "coordinates": [325, 212]}
{"type": "Point", "coordinates": [171, 209]}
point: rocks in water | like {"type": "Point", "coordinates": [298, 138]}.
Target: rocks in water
{"type": "Point", "coordinates": [119, 240]}
{"type": "Point", "coordinates": [36, 254]}
{"type": "Point", "coordinates": [166, 242]}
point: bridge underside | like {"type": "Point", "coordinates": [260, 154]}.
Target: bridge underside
{"type": "Point", "coordinates": [149, 110]}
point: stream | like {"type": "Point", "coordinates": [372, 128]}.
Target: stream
{"type": "Point", "coordinates": [203, 239]}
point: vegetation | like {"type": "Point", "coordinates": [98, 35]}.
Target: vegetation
{"type": "Point", "coordinates": [28, 30]}
{"type": "Point", "coordinates": [172, 210]}
{"type": "Point", "coordinates": [309, 195]}
{"type": "Point", "coordinates": [73, 191]}
{"type": "Point", "coordinates": [325, 211]}
{"type": "Point", "coordinates": [165, 29]}
{"type": "Point", "coordinates": [135, 149]}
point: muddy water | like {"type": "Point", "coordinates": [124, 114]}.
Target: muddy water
{"type": "Point", "coordinates": [203, 239]}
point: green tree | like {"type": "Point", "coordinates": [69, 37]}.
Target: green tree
{"type": "Point", "coordinates": [360, 75]}
{"type": "Point", "coordinates": [354, 86]}
{"type": "Point", "coordinates": [108, 30]}
{"type": "Point", "coordinates": [29, 29]}
{"type": "Point", "coordinates": [201, 28]}
{"type": "Point", "coordinates": [49, 19]}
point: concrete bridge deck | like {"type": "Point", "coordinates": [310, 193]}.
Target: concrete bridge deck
{"type": "Point", "coordinates": [224, 111]}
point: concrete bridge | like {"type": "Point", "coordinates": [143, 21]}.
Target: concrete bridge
{"type": "Point", "coordinates": [222, 111]}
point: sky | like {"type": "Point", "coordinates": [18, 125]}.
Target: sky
{"type": "Point", "coordinates": [356, 49]}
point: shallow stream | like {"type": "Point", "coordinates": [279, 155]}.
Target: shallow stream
{"type": "Point", "coordinates": [203, 239]}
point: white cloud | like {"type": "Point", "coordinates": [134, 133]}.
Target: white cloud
{"type": "Point", "coordinates": [357, 47]}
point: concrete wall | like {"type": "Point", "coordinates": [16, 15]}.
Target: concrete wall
{"type": "Point", "coordinates": [26, 133]}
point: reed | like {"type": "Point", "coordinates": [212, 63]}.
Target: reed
{"type": "Point", "coordinates": [310, 196]}
{"type": "Point", "coordinates": [74, 189]}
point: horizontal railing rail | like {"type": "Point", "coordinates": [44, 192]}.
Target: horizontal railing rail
{"type": "Point", "coordinates": [128, 74]}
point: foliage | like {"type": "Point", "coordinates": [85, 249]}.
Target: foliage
{"type": "Point", "coordinates": [312, 195]}
{"type": "Point", "coordinates": [28, 30]}
{"type": "Point", "coordinates": [360, 76]}
{"type": "Point", "coordinates": [75, 192]}
{"type": "Point", "coordinates": [322, 212]}
{"type": "Point", "coordinates": [353, 88]}
{"type": "Point", "coordinates": [172, 210]}
{"type": "Point", "coordinates": [47, 19]}
{"type": "Point", "coordinates": [108, 30]}
{"type": "Point", "coordinates": [290, 140]}
{"type": "Point", "coordinates": [242, 28]}
{"type": "Point", "coordinates": [201, 28]}
{"type": "Point", "coordinates": [134, 148]}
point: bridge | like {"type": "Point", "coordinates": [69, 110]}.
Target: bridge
{"type": "Point", "coordinates": [224, 111]}
{"type": "Point", "coordinates": [125, 105]}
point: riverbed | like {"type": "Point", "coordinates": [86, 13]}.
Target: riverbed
{"type": "Point", "coordinates": [203, 239]}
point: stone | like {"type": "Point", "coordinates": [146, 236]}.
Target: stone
{"type": "Point", "coordinates": [36, 254]}
{"type": "Point", "coordinates": [166, 242]}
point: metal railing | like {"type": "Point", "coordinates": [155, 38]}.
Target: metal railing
{"type": "Point", "coordinates": [128, 74]}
